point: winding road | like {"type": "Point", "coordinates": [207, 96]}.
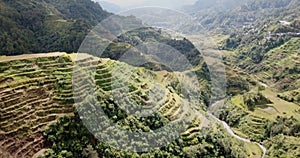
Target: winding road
{"type": "Point", "coordinates": [229, 130]}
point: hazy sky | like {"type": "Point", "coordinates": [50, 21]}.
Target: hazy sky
{"type": "Point", "coordinates": [161, 3]}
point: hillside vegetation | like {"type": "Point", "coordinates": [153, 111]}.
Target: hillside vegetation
{"type": "Point", "coordinates": [38, 110]}
{"type": "Point", "coordinates": [270, 123]}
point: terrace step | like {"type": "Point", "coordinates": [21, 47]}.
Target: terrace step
{"type": "Point", "coordinates": [28, 146]}
{"type": "Point", "coordinates": [33, 150]}
{"type": "Point", "coordinates": [24, 103]}
{"type": "Point", "coordinates": [5, 142]}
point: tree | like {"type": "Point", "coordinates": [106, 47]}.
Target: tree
{"type": "Point", "coordinates": [89, 152]}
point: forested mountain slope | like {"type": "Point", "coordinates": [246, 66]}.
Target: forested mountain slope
{"type": "Point", "coordinates": [46, 25]}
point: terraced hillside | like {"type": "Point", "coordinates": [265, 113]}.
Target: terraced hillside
{"type": "Point", "coordinates": [38, 113]}
{"type": "Point", "coordinates": [280, 69]}
{"type": "Point", "coordinates": [36, 90]}
{"type": "Point", "coordinates": [31, 99]}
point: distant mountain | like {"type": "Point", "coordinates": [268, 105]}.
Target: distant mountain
{"type": "Point", "coordinates": [269, 24]}
{"type": "Point", "coordinates": [229, 15]}
{"type": "Point", "coordinates": [202, 6]}
{"type": "Point", "coordinates": [110, 7]}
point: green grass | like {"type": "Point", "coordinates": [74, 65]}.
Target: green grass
{"type": "Point", "coordinates": [278, 107]}
{"type": "Point", "coordinates": [284, 108]}
{"type": "Point", "coordinates": [253, 150]}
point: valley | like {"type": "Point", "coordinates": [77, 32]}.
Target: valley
{"type": "Point", "coordinates": [219, 78]}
